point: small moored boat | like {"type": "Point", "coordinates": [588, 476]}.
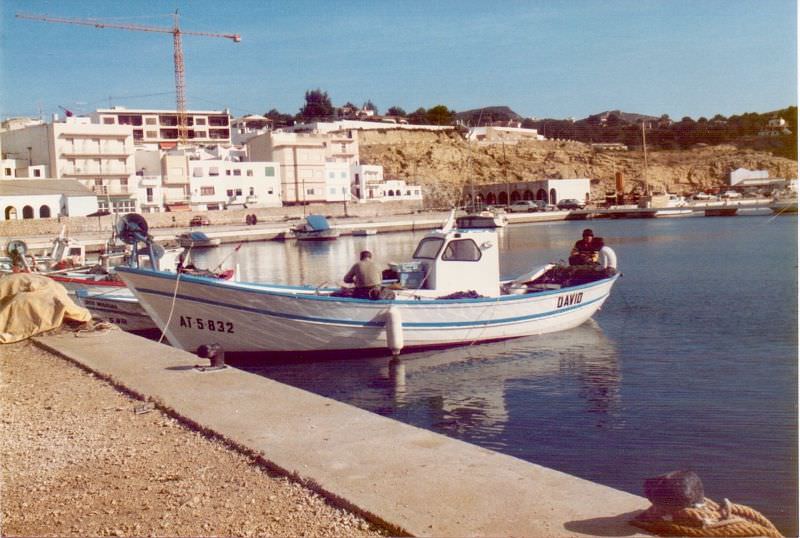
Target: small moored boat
{"type": "Point", "coordinates": [315, 228]}
{"type": "Point", "coordinates": [450, 293]}
{"type": "Point", "coordinates": [197, 240]}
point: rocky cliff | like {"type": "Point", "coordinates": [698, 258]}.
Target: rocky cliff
{"type": "Point", "coordinates": [443, 162]}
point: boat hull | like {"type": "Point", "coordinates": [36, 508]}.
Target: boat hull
{"type": "Point", "coordinates": [254, 318]}
{"type": "Point", "coordinates": [116, 305]}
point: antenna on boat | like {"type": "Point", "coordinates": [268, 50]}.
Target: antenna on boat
{"type": "Point", "coordinates": [450, 222]}
{"type": "Point", "coordinates": [644, 147]}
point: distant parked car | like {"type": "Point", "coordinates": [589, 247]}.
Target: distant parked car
{"type": "Point", "coordinates": [527, 206]}
{"type": "Point", "coordinates": [702, 196]}
{"type": "Point", "coordinates": [731, 194]}
{"type": "Point", "coordinates": [199, 220]}
{"type": "Point", "coordinates": [570, 203]}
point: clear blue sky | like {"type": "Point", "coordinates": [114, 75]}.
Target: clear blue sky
{"type": "Point", "coordinates": [542, 58]}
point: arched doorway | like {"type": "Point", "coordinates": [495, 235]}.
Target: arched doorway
{"type": "Point", "coordinates": [553, 197]}
{"type": "Point", "coordinates": [541, 194]}
{"type": "Point", "coordinates": [44, 212]}
{"type": "Point", "coordinates": [528, 195]}
{"type": "Point", "coordinates": [503, 198]}
{"type": "Point", "coordinates": [27, 212]}
{"type": "Point", "coordinates": [11, 213]}
{"type": "Point", "coordinates": [490, 199]}
{"type": "Point", "coordinates": [514, 196]}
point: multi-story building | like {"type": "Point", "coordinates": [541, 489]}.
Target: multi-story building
{"type": "Point", "coordinates": [101, 157]}
{"type": "Point", "coordinates": [160, 127]}
{"type": "Point", "coordinates": [222, 184]}
{"type": "Point", "coordinates": [308, 162]}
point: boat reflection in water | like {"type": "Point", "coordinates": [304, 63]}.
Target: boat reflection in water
{"type": "Point", "coordinates": [465, 392]}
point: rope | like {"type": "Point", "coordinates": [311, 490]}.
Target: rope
{"type": "Point", "coordinates": [710, 519]}
{"type": "Point", "coordinates": [174, 297]}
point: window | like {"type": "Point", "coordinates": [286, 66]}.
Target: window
{"type": "Point", "coordinates": [269, 171]}
{"type": "Point", "coordinates": [206, 191]}
{"type": "Point", "coordinates": [252, 191]}
{"type": "Point", "coordinates": [309, 191]}
{"type": "Point", "coordinates": [108, 121]}
{"type": "Point", "coordinates": [238, 192]}
{"type": "Point", "coordinates": [237, 172]}
{"type": "Point", "coordinates": [213, 171]}
{"type": "Point", "coordinates": [44, 212]}
{"type": "Point", "coordinates": [197, 172]}
{"type": "Point", "coordinates": [227, 172]}
{"type": "Point", "coordinates": [462, 250]}
{"type": "Point", "coordinates": [150, 121]}
{"type": "Point", "coordinates": [8, 172]}
{"type": "Point", "coordinates": [151, 134]}
{"type": "Point", "coordinates": [27, 212]}
{"type": "Point", "coordinates": [429, 248]}
{"type": "Point", "coordinates": [229, 192]}
{"type": "Point", "coordinates": [344, 175]}
{"type": "Point", "coordinates": [250, 173]}
{"type": "Point", "coordinates": [199, 121]}
{"type": "Point", "coordinates": [37, 173]}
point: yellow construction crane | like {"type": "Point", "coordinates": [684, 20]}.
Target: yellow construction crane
{"type": "Point", "coordinates": [180, 79]}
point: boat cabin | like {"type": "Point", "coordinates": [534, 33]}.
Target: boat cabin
{"type": "Point", "coordinates": [462, 257]}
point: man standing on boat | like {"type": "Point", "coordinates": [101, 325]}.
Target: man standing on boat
{"type": "Point", "coordinates": [587, 250]}
{"type": "Point", "coordinates": [366, 276]}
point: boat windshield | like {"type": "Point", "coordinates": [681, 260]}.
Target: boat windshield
{"type": "Point", "coordinates": [429, 248]}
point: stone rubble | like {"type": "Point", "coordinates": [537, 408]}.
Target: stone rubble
{"type": "Point", "coordinates": [81, 458]}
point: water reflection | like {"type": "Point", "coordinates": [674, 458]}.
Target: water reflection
{"type": "Point", "coordinates": [463, 391]}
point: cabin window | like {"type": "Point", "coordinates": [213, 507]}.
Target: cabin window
{"type": "Point", "coordinates": [429, 248]}
{"type": "Point", "coordinates": [462, 250]}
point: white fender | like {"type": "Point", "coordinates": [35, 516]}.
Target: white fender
{"type": "Point", "coordinates": [608, 257]}
{"type": "Point", "coordinates": [394, 330]}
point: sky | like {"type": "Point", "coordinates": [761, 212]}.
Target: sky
{"type": "Point", "coordinates": [541, 58]}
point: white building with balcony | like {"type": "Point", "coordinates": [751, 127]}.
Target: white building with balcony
{"type": "Point", "coordinates": [101, 157]}
{"type": "Point", "coordinates": [219, 184]}
{"type": "Point", "coordinates": [311, 164]}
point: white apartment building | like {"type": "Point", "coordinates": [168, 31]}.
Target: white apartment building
{"type": "Point", "coordinates": [308, 162]}
{"type": "Point", "coordinates": [101, 157]}
{"type": "Point", "coordinates": [219, 184]}
{"type": "Point", "coordinates": [160, 127]}
{"type": "Point", "coordinates": [45, 198]}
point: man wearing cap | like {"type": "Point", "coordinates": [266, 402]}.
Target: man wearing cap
{"type": "Point", "coordinates": [587, 250]}
{"type": "Point", "coordinates": [366, 276]}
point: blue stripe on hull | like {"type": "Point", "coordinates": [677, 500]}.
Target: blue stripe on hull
{"type": "Point", "coordinates": [418, 325]}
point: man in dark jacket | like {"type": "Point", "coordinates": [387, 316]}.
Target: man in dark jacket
{"type": "Point", "coordinates": [587, 250]}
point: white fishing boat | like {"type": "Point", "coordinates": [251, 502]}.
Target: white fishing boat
{"type": "Point", "coordinates": [449, 294]}
{"type": "Point", "coordinates": [315, 228]}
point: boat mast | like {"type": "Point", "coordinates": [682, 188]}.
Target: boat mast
{"type": "Point", "coordinates": [644, 147]}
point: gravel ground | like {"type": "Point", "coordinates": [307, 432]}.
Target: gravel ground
{"type": "Point", "coordinates": [79, 460]}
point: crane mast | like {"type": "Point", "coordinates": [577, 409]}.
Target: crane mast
{"type": "Point", "coordinates": [177, 33]}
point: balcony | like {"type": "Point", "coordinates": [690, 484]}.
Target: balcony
{"type": "Point", "coordinates": [110, 190]}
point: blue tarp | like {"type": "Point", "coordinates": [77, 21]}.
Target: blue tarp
{"type": "Point", "coordinates": [197, 236]}
{"type": "Point", "coordinates": [317, 222]}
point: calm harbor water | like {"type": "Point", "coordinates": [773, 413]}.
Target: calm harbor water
{"type": "Point", "coordinates": [691, 364]}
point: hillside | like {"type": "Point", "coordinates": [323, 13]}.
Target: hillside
{"type": "Point", "coordinates": [443, 163]}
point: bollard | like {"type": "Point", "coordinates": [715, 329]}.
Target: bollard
{"type": "Point", "coordinates": [214, 353]}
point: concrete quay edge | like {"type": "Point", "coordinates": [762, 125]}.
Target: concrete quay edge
{"type": "Point", "coordinates": [408, 479]}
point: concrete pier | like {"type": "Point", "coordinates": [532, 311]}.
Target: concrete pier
{"type": "Point", "coordinates": [411, 480]}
